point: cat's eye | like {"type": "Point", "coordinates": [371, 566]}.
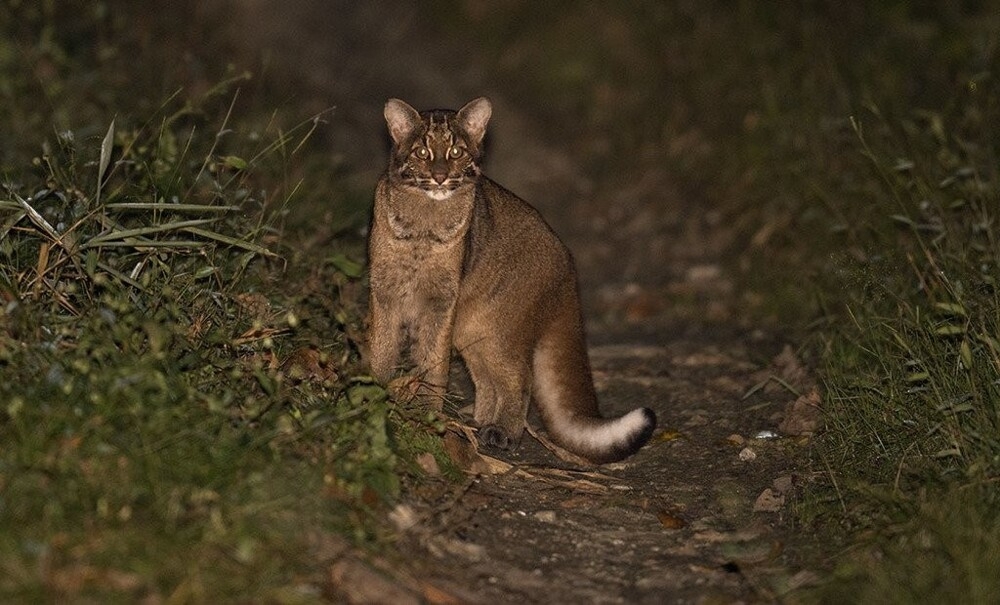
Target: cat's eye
{"type": "Point", "coordinates": [422, 152]}
{"type": "Point", "coordinates": [455, 152]}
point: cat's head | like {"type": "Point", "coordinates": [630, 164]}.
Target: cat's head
{"type": "Point", "coordinates": [437, 152]}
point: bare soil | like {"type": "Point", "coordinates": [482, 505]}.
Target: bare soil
{"type": "Point", "coordinates": [699, 515]}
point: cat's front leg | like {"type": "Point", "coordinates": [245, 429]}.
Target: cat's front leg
{"type": "Point", "coordinates": [385, 340]}
{"type": "Point", "coordinates": [432, 354]}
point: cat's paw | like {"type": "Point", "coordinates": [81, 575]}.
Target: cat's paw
{"type": "Point", "coordinates": [493, 436]}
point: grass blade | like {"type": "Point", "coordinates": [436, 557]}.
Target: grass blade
{"type": "Point", "coordinates": [141, 231]}
{"type": "Point", "coordinates": [167, 207]}
{"type": "Point", "coordinates": [107, 145]}
{"type": "Point", "coordinates": [232, 241]}
{"type": "Point", "coordinates": [38, 219]}
{"type": "Point", "coordinates": [169, 243]}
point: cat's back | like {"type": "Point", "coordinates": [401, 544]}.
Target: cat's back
{"type": "Point", "coordinates": [507, 226]}
{"type": "Point", "coordinates": [511, 212]}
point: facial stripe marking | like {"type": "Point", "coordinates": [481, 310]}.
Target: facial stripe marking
{"type": "Point", "coordinates": [429, 155]}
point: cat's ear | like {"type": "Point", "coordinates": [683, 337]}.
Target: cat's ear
{"type": "Point", "coordinates": [401, 118]}
{"type": "Point", "coordinates": [474, 116]}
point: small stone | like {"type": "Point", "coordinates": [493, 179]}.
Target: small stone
{"type": "Point", "coordinates": [747, 454]}
{"type": "Point", "coordinates": [546, 516]}
{"type": "Point", "coordinates": [703, 273]}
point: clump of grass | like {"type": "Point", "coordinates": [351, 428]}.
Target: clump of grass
{"type": "Point", "coordinates": [149, 215]}
{"type": "Point", "coordinates": [947, 551]}
{"type": "Point", "coordinates": [912, 445]}
{"type": "Point", "coordinates": [924, 342]}
{"type": "Point", "coordinates": [173, 423]}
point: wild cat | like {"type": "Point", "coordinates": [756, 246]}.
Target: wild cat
{"type": "Point", "coordinates": [458, 261]}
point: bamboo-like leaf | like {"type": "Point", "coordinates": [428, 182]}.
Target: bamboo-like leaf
{"type": "Point", "coordinates": [949, 330]}
{"type": "Point", "coordinates": [120, 276]}
{"type": "Point", "coordinates": [107, 145]}
{"type": "Point", "coordinates": [140, 231]}
{"type": "Point", "coordinates": [168, 207]}
{"type": "Point", "coordinates": [204, 272]}
{"type": "Point", "coordinates": [990, 341]}
{"type": "Point", "coordinates": [348, 267]}
{"type": "Point", "coordinates": [948, 308]}
{"type": "Point", "coordinates": [232, 241]}
{"type": "Point", "coordinates": [14, 219]}
{"type": "Point", "coordinates": [951, 452]}
{"type": "Point", "coordinates": [903, 165]}
{"type": "Point", "coordinates": [168, 243]}
{"type": "Point", "coordinates": [42, 266]}
{"type": "Point", "coordinates": [965, 352]}
{"type": "Point", "coordinates": [37, 218]}
{"type": "Point", "coordinates": [235, 162]}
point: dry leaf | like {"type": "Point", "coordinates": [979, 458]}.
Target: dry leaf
{"type": "Point", "coordinates": [563, 479]}
{"type": "Point", "coordinates": [790, 369]}
{"type": "Point", "coordinates": [253, 304]}
{"type": "Point", "coordinates": [802, 416]}
{"type": "Point", "coordinates": [309, 364]}
{"type": "Point", "coordinates": [362, 584]}
{"type": "Point", "coordinates": [403, 517]}
{"type": "Point", "coordinates": [560, 453]}
{"type": "Point", "coordinates": [577, 501]}
{"type": "Point", "coordinates": [438, 596]}
{"type": "Point", "coordinates": [670, 521]}
{"type": "Point", "coordinates": [737, 440]}
{"type": "Point", "coordinates": [769, 501]}
{"type": "Point", "coordinates": [783, 484]}
{"type": "Point", "coordinates": [670, 435]}
{"type": "Point", "coordinates": [460, 445]}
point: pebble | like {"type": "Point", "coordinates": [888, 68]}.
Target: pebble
{"type": "Point", "coordinates": [546, 516]}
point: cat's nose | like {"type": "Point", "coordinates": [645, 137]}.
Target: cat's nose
{"type": "Point", "coordinates": [439, 176]}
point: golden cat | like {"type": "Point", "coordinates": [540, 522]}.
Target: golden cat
{"type": "Point", "coordinates": [459, 261]}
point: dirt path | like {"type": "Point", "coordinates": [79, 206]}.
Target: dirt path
{"type": "Point", "coordinates": [699, 515]}
{"type": "Point", "coordinates": [683, 521]}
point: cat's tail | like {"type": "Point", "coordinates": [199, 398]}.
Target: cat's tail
{"type": "Point", "coordinates": [564, 391]}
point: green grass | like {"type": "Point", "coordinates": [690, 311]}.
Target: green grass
{"type": "Point", "coordinates": [912, 445]}
{"type": "Point", "coordinates": [177, 421]}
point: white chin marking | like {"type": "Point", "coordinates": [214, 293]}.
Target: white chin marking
{"type": "Point", "coordinates": [440, 194]}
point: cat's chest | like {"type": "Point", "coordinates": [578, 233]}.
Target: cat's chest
{"type": "Point", "coordinates": [422, 222]}
{"type": "Point", "coordinates": [409, 272]}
